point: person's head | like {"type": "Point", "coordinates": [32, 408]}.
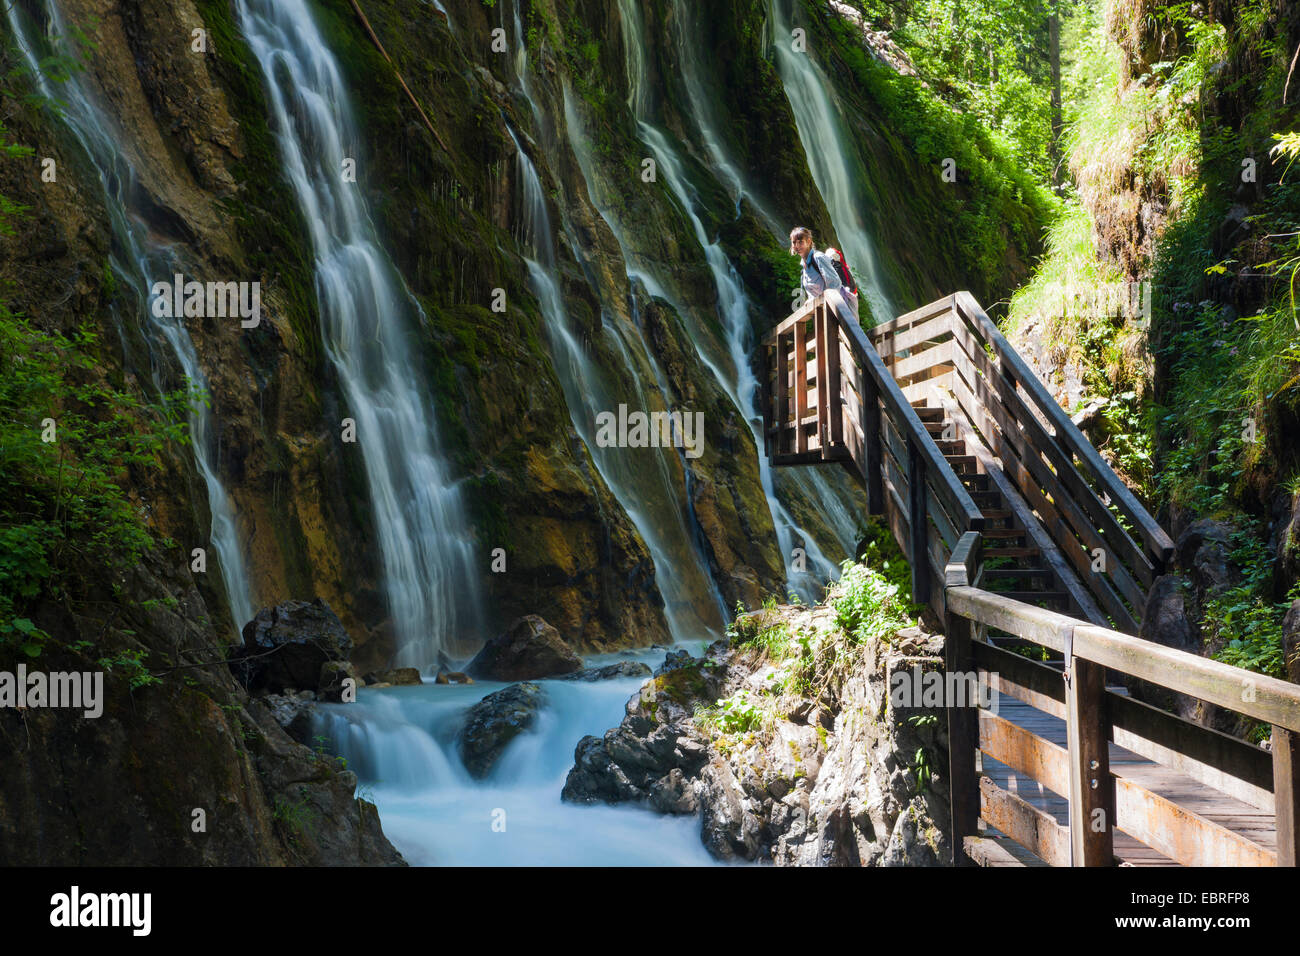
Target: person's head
{"type": "Point", "coordinates": [801, 241]}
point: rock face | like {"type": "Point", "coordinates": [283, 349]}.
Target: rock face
{"type": "Point", "coordinates": [1291, 642]}
{"type": "Point", "coordinates": [287, 646]}
{"type": "Point", "coordinates": [495, 721]}
{"type": "Point", "coordinates": [530, 648]}
{"type": "Point", "coordinates": [1203, 549]}
{"type": "Point", "coordinates": [834, 780]}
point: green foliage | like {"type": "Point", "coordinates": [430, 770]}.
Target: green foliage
{"type": "Point", "coordinates": [988, 58]}
{"type": "Point", "coordinates": [130, 664]}
{"type": "Point", "coordinates": [870, 608]}
{"type": "Point", "coordinates": [1241, 621]}
{"type": "Point", "coordinates": [1000, 193]}
{"type": "Point", "coordinates": [737, 714]}
{"type": "Point", "coordinates": [69, 442]}
{"type": "Point", "coordinates": [63, 503]}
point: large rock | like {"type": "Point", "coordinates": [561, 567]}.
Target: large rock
{"type": "Point", "coordinates": [834, 781]}
{"type": "Point", "coordinates": [1291, 642]}
{"type": "Point", "coordinates": [285, 647]}
{"type": "Point", "coordinates": [529, 649]}
{"type": "Point", "coordinates": [496, 720]}
{"type": "Point", "coordinates": [1169, 619]}
{"type": "Point", "coordinates": [610, 672]}
{"type": "Point", "coordinates": [1203, 549]}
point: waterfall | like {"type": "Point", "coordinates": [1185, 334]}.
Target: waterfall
{"type": "Point", "coordinates": [368, 324]}
{"type": "Point", "coordinates": [652, 485]}
{"type": "Point", "coordinates": [139, 258]}
{"type": "Point", "coordinates": [831, 156]}
{"type": "Point", "coordinates": [643, 480]}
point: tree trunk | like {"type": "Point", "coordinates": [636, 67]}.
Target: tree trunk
{"type": "Point", "coordinates": [1054, 54]}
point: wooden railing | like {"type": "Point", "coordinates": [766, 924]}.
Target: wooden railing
{"type": "Point", "coordinates": [838, 394]}
{"type": "Point", "coordinates": [951, 353]}
{"type": "Point", "coordinates": [1100, 801]}
{"type": "Point", "coordinates": [831, 398]}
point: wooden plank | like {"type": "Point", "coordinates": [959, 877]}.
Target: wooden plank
{"type": "Point", "coordinates": [1213, 759]}
{"type": "Point", "coordinates": [1155, 537]}
{"type": "Point", "coordinates": [1265, 698]}
{"type": "Point", "coordinates": [1025, 752]}
{"type": "Point", "coordinates": [1020, 425]}
{"type": "Point", "coordinates": [824, 403]}
{"type": "Point", "coordinates": [908, 319]}
{"type": "Point", "coordinates": [834, 382]}
{"type": "Point", "coordinates": [1063, 576]}
{"type": "Point", "coordinates": [922, 361]}
{"type": "Point", "coordinates": [941, 520]}
{"type": "Point", "coordinates": [1092, 795]}
{"type": "Point", "coordinates": [1033, 829]}
{"type": "Point", "coordinates": [800, 314]}
{"type": "Point", "coordinates": [1183, 836]}
{"type": "Point", "coordinates": [955, 495]}
{"type": "Point", "coordinates": [982, 851]}
{"type": "Point", "coordinates": [918, 522]}
{"type": "Point", "coordinates": [1286, 793]}
{"type": "Point", "coordinates": [872, 459]}
{"type": "Point", "coordinates": [892, 346]}
{"type": "Point", "coordinates": [783, 372]}
{"type": "Point", "coordinates": [800, 386]}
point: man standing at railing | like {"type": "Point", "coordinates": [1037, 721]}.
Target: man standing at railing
{"type": "Point", "coordinates": [819, 273]}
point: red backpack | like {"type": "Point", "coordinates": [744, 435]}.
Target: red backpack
{"type": "Point", "coordinates": [842, 268]}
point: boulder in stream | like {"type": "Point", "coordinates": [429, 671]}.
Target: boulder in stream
{"type": "Point", "coordinates": [529, 649]}
{"type": "Point", "coordinates": [496, 720]}
{"type": "Point", "coordinates": [609, 672]}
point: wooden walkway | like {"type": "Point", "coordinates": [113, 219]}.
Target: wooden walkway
{"type": "Point", "coordinates": [1021, 536]}
{"type": "Point", "coordinates": [1253, 823]}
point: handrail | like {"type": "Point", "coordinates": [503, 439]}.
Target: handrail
{"type": "Point", "coordinates": [928, 473]}
{"type": "Point", "coordinates": [1094, 793]}
{"type": "Point", "coordinates": [1160, 545]}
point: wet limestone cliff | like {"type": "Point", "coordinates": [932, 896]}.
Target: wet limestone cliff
{"type": "Point", "coordinates": [448, 200]}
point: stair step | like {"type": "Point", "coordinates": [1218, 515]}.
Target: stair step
{"type": "Point", "coordinates": [1011, 552]}
{"type": "Point", "coordinates": [995, 514]}
{"type": "Point", "coordinates": [929, 414]}
{"type": "Point", "coordinates": [999, 574]}
{"type": "Point", "coordinates": [1035, 597]}
{"type": "Point", "coordinates": [1003, 534]}
{"type": "Point", "coordinates": [951, 449]}
{"type": "Point", "coordinates": [961, 461]}
{"type": "Point", "coordinates": [977, 484]}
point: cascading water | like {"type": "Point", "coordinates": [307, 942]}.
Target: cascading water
{"type": "Point", "coordinates": [139, 259]}
{"type": "Point", "coordinates": [831, 156]}
{"type": "Point", "coordinates": [367, 319]}
{"type": "Point", "coordinates": [649, 483]}
{"type": "Point", "coordinates": [402, 742]}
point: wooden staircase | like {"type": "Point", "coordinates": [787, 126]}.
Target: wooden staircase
{"type": "Point", "coordinates": [1038, 562]}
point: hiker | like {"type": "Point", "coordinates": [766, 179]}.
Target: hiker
{"type": "Point", "coordinates": [820, 271]}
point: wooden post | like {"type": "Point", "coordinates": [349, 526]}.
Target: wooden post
{"type": "Point", "coordinates": [1092, 791]}
{"type": "Point", "coordinates": [834, 385]}
{"type": "Point", "coordinates": [963, 722]}
{"type": "Point", "coordinates": [824, 404]}
{"type": "Point", "coordinates": [920, 524]}
{"type": "Point", "coordinates": [1286, 794]}
{"type": "Point", "coordinates": [800, 385]}
{"type": "Point", "coordinates": [768, 398]}
{"type": "Point", "coordinates": [782, 391]}
{"type": "Point", "coordinates": [871, 447]}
